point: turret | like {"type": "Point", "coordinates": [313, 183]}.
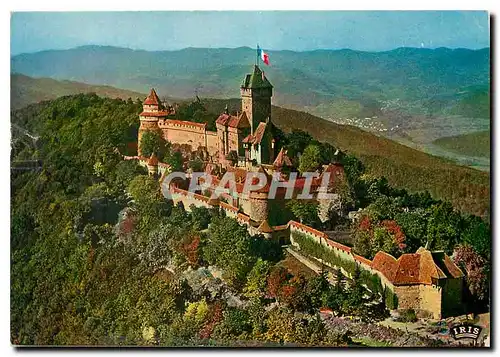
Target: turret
{"type": "Point", "coordinates": [152, 111]}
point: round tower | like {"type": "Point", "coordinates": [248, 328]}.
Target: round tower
{"type": "Point", "coordinates": [259, 209]}
{"type": "Point", "coordinates": [152, 111]}
{"type": "Point", "coordinates": [259, 199]}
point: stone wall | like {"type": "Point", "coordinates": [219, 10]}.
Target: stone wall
{"type": "Point", "coordinates": [188, 199]}
{"type": "Point", "coordinates": [341, 251]}
{"type": "Point", "coordinates": [192, 135]}
{"type": "Point", "coordinates": [408, 297]}
{"type": "Point", "coordinates": [212, 142]}
{"type": "Point", "coordinates": [430, 299]}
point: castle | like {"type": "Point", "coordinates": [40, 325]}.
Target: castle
{"type": "Point", "coordinates": [428, 282]}
{"type": "Point", "coordinates": [248, 133]}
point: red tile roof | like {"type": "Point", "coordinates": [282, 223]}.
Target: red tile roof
{"type": "Point", "coordinates": [336, 174]}
{"type": "Point", "coordinates": [238, 121]}
{"type": "Point", "coordinates": [201, 197]}
{"type": "Point", "coordinates": [452, 268]}
{"type": "Point", "coordinates": [408, 271]}
{"type": "Point", "coordinates": [180, 191]}
{"type": "Point", "coordinates": [248, 139]}
{"type": "Point", "coordinates": [243, 217]}
{"type": "Point", "coordinates": [152, 98]}
{"type": "Point", "coordinates": [259, 133]}
{"type": "Point", "coordinates": [417, 268]}
{"type": "Point", "coordinates": [282, 159]}
{"type": "Point", "coordinates": [326, 310]}
{"type": "Point", "coordinates": [240, 174]}
{"type": "Point", "coordinates": [361, 259]}
{"type": "Point", "coordinates": [264, 227]}
{"type": "Point", "coordinates": [308, 229]}
{"type": "Point", "coordinates": [334, 244]}
{"type": "Point", "coordinates": [386, 264]}
{"type": "Point", "coordinates": [257, 136]}
{"type": "Point", "coordinates": [300, 182]}
{"type": "Point", "coordinates": [269, 179]}
{"type": "Point", "coordinates": [280, 228]}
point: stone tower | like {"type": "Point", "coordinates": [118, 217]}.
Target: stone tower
{"type": "Point", "coordinates": [152, 111]}
{"type": "Point", "coordinates": [256, 93]}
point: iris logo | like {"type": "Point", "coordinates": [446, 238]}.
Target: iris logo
{"type": "Point", "coordinates": [466, 331]}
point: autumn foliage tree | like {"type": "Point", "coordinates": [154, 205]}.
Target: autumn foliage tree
{"type": "Point", "coordinates": [476, 269]}
{"type": "Point", "coordinates": [277, 278]}
{"type": "Point", "coordinates": [190, 249]}
{"type": "Point", "coordinates": [371, 237]}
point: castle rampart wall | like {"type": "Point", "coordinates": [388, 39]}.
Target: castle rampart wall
{"type": "Point", "coordinates": [212, 142]}
{"type": "Point", "coordinates": [420, 297]}
{"type": "Point", "coordinates": [183, 132]}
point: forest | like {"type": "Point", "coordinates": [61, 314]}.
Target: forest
{"type": "Point", "coordinates": [100, 257]}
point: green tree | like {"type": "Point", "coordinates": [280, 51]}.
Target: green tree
{"type": "Point", "coordinates": [228, 247]}
{"type": "Point", "coordinates": [196, 165]}
{"type": "Point", "coordinates": [200, 216]}
{"type": "Point", "coordinates": [257, 279]}
{"type": "Point", "coordinates": [175, 160]}
{"type": "Point", "coordinates": [296, 142]}
{"type": "Point", "coordinates": [149, 201]}
{"type": "Point", "coordinates": [316, 289]}
{"type": "Point", "coordinates": [281, 325]}
{"type": "Point", "coordinates": [363, 244]}
{"type": "Point", "coordinates": [478, 235]}
{"type": "Point", "coordinates": [126, 171]}
{"type": "Point", "coordinates": [310, 160]}
{"type": "Point", "coordinates": [306, 212]}
{"type": "Point", "coordinates": [235, 323]}
{"type": "Point", "coordinates": [414, 225]}
{"type": "Point", "coordinates": [152, 142]}
{"type": "Point", "coordinates": [443, 227]}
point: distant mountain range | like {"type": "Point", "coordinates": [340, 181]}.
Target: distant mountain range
{"type": "Point", "coordinates": [416, 79]}
{"type": "Point", "coordinates": [412, 95]}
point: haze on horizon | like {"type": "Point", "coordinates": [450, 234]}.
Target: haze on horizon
{"type": "Point", "coordinates": [273, 30]}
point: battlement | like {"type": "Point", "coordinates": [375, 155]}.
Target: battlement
{"type": "Point", "coordinates": [182, 125]}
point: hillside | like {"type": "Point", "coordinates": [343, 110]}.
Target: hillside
{"type": "Point", "coordinates": [474, 144]}
{"type": "Point", "coordinates": [26, 90]}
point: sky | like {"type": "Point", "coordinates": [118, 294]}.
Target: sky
{"type": "Point", "coordinates": [272, 30]}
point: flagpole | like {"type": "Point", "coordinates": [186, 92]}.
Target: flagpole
{"type": "Point", "coordinates": [257, 59]}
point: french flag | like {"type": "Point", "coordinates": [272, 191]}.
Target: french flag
{"type": "Point", "coordinates": [264, 56]}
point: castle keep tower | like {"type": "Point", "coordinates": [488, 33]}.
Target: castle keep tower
{"type": "Point", "coordinates": [256, 93]}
